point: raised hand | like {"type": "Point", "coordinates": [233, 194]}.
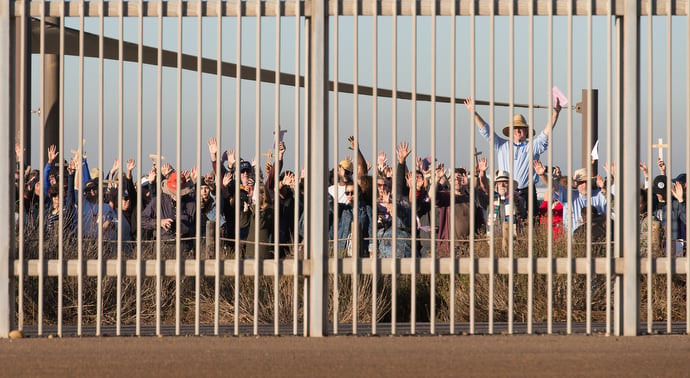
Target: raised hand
{"type": "Point", "coordinates": [193, 174]}
{"type": "Point", "coordinates": [288, 180]}
{"type": "Point", "coordinates": [403, 152]}
{"type": "Point", "coordinates": [408, 179]}
{"type": "Point", "coordinates": [677, 191]}
{"type": "Point", "coordinates": [116, 166]}
{"type": "Point", "coordinates": [231, 158]}
{"type": "Point", "coordinates": [185, 176]}
{"type": "Point", "coordinates": [469, 104]}
{"type": "Point", "coordinates": [482, 165]}
{"type": "Point", "coordinates": [213, 148]}
{"type": "Point", "coordinates": [131, 164]}
{"type": "Point", "coordinates": [52, 153]}
{"type": "Point", "coordinates": [440, 171]}
{"type": "Point", "coordinates": [420, 163]}
{"type": "Point", "coordinates": [152, 175]}
{"type": "Point", "coordinates": [227, 179]}
{"type": "Point", "coordinates": [662, 166]}
{"type": "Point", "coordinates": [166, 169]}
{"type": "Point", "coordinates": [351, 141]}
{"type": "Point", "coordinates": [539, 167]}
{"type": "Point", "coordinates": [600, 182]}
{"type": "Point", "coordinates": [381, 161]}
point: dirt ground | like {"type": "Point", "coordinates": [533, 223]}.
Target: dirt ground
{"type": "Point", "coordinates": [408, 356]}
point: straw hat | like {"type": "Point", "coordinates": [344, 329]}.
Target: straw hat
{"type": "Point", "coordinates": [347, 165]}
{"type": "Point", "coordinates": [518, 122]}
{"type": "Point", "coordinates": [170, 186]}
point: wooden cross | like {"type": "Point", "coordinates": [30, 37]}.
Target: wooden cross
{"type": "Point", "coordinates": [660, 145]}
{"type": "Point", "coordinates": [269, 155]}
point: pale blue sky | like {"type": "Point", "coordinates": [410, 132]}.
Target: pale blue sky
{"type": "Point", "coordinates": [679, 99]}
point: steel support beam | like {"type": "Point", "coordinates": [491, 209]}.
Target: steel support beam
{"type": "Point", "coordinates": [629, 212]}
{"type": "Point", "coordinates": [318, 169]}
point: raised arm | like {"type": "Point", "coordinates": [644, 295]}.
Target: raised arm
{"type": "Point", "coordinates": [470, 108]}
{"type": "Point", "coordinates": [554, 118]}
{"type": "Point", "coordinates": [361, 161]}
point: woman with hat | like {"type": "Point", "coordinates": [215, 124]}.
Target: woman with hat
{"type": "Point", "coordinates": [520, 156]}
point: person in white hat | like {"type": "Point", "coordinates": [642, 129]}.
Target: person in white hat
{"type": "Point", "coordinates": [521, 148]}
{"type": "Point", "coordinates": [579, 195]}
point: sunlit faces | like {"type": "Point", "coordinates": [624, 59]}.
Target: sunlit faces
{"type": "Point", "coordinates": [502, 188]}
{"type": "Point", "coordinates": [350, 192]}
{"type": "Point", "coordinates": [519, 134]}
{"type": "Point", "coordinates": [205, 192]}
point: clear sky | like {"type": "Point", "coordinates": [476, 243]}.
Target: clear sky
{"type": "Point", "coordinates": [346, 111]}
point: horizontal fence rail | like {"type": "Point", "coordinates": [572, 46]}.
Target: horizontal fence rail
{"type": "Point", "coordinates": [349, 8]}
{"type": "Point", "coordinates": [320, 168]}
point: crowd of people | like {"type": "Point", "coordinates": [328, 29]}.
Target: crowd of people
{"type": "Point", "coordinates": [405, 204]}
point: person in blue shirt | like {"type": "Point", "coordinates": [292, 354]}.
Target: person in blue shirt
{"type": "Point", "coordinates": [521, 149]}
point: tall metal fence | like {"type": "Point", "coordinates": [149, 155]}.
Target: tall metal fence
{"type": "Point", "coordinates": [315, 168]}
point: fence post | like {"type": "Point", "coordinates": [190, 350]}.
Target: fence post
{"type": "Point", "coordinates": [630, 128]}
{"type": "Point", "coordinates": [317, 161]}
{"type": "Point", "coordinates": [7, 297]}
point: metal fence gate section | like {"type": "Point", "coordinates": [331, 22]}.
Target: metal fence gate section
{"type": "Point", "coordinates": [315, 168]}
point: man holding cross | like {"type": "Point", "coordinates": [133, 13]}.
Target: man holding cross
{"type": "Point", "coordinates": [521, 149]}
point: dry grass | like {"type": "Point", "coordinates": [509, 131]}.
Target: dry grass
{"type": "Point", "coordinates": [364, 295]}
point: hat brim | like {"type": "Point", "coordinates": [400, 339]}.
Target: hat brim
{"type": "Point", "coordinates": [506, 129]}
{"type": "Point", "coordinates": [183, 191]}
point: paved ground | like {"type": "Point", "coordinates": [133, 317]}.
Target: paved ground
{"type": "Point", "coordinates": [409, 356]}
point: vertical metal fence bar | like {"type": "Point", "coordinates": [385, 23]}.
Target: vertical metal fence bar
{"type": "Point", "coordinates": [511, 182]}
{"type": "Point", "coordinates": [306, 324]}
{"type": "Point", "coordinates": [530, 233]}
{"type": "Point", "coordinates": [355, 241]}
{"type": "Point", "coordinates": [121, 176]}
{"type": "Point", "coordinates": [23, 121]}
{"type": "Point", "coordinates": [648, 149]}
{"type": "Point", "coordinates": [453, 118]}
{"type": "Point", "coordinates": [631, 139]}
{"type": "Point", "coordinates": [617, 93]}
{"type": "Point", "coordinates": [7, 294]}
{"type": "Point", "coordinates": [200, 173]}
{"type": "Point", "coordinates": [670, 250]}
{"type": "Point", "coordinates": [318, 142]}
{"type": "Point", "coordinates": [277, 164]}
{"type": "Point", "coordinates": [178, 176]}
{"type": "Point", "coordinates": [687, 165]}
{"type": "Point", "coordinates": [140, 127]}
{"type": "Point", "coordinates": [61, 148]}
{"type": "Point", "coordinates": [609, 158]}
{"type": "Point", "coordinates": [159, 176]}
{"type": "Point", "coordinates": [394, 121]}
{"type": "Point", "coordinates": [80, 196]}
{"type": "Point", "coordinates": [257, 169]}
{"type": "Point", "coordinates": [568, 220]}
{"type": "Point", "coordinates": [336, 171]}
{"type": "Point", "coordinates": [217, 169]}
{"type": "Point", "coordinates": [235, 170]}
{"type": "Point", "coordinates": [473, 94]}
{"type": "Point", "coordinates": [101, 178]}
{"type": "Point", "coordinates": [590, 98]}
{"type": "Point", "coordinates": [492, 162]}
{"type": "Point", "coordinates": [373, 248]}
{"type": "Point", "coordinates": [550, 277]}
{"type": "Point", "coordinates": [413, 189]}
{"type": "Point", "coordinates": [298, 176]}
{"type": "Point", "coordinates": [434, 263]}
{"type": "Point", "coordinates": [41, 202]}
